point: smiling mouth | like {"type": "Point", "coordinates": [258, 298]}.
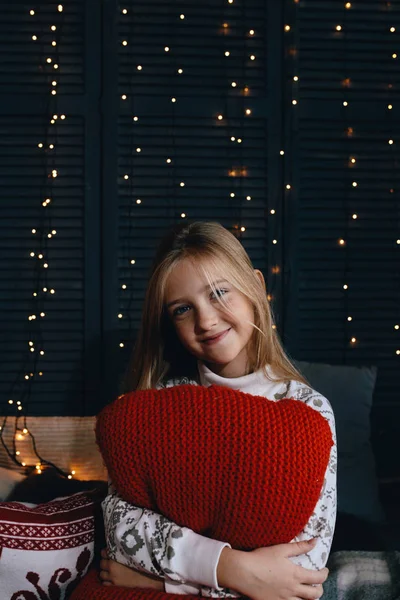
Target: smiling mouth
{"type": "Point", "coordinates": [217, 338]}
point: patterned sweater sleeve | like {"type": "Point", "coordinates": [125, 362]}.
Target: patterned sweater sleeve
{"type": "Point", "coordinates": [322, 522]}
{"type": "Point", "coordinates": [149, 542]}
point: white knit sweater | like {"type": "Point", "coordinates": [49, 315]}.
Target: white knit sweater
{"type": "Point", "coordinates": [187, 561]}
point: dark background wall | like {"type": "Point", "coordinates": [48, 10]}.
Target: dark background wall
{"type": "Point", "coordinates": [308, 179]}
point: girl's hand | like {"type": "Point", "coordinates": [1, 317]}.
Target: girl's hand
{"type": "Point", "coordinates": [113, 573]}
{"type": "Point", "coordinates": [267, 573]}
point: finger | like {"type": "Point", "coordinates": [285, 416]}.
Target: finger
{"type": "Point", "coordinates": [107, 583]}
{"type": "Point", "coordinates": [297, 548]}
{"type": "Point", "coordinates": [104, 576]}
{"type": "Point", "coordinates": [309, 577]}
{"type": "Point", "coordinates": [104, 553]}
{"type": "Point", "coordinates": [104, 565]}
{"type": "Point", "coordinates": [311, 592]}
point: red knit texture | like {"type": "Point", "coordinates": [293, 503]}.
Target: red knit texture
{"type": "Point", "coordinates": [229, 465]}
{"type": "Point", "coordinates": [91, 588]}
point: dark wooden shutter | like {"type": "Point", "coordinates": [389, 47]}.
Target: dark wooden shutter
{"type": "Point", "coordinates": [31, 116]}
{"type": "Point", "coordinates": [343, 165]}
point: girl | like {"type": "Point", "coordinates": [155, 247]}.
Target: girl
{"type": "Point", "coordinates": [206, 320]}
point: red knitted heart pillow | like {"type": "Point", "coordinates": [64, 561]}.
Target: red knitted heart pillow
{"type": "Point", "coordinates": [232, 466]}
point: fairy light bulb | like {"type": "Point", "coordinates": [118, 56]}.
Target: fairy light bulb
{"type": "Point", "coordinates": [394, 55]}
{"type": "Point", "coordinates": [166, 49]}
{"type": "Point", "coordinates": [124, 42]}
{"type": "Point", "coordinates": [25, 431]}
{"type": "Point", "coordinates": [227, 53]}
{"type": "Point", "coordinates": [248, 198]}
{"type": "Point", "coordinates": [233, 138]}
{"type": "Point", "coordinates": [32, 12]}
{"type": "Point", "coordinates": [390, 106]}
{"type": "Point", "coordinates": [342, 242]}
{"type": "Point", "coordinates": [122, 345]}
{"type": "Point", "coordinates": [347, 5]}
{"type": "Point", "coordinates": [390, 142]}
{"type": "Point", "coordinates": [287, 27]}
{"type": "Point", "coordinates": [274, 241]}
{"type": "Point", "coordinates": [232, 194]}
{"type": "Point", "coordinates": [397, 326]}
{"type": "Point", "coordinates": [282, 152]}
{"type": "Point", "coordinates": [220, 117]}
{"type": "Point", "coordinates": [183, 215]}
{"type": "Point", "coordinates": [251, 32]}
{"type": "Point", "coordinates": [338, 28]}
{"type": "Point", "coordinates": [139, 67]}
{"type": "Point", "coordinates": [354, 184]}
{"type": "Point", "coordinates": [124, 11]}
{"type": "Point", "coordinates": [60, 8]}
{"type": "Point", "coordinates": [180, 71]}
{"type": "Point", "coordinates": [173, 100]}
{"type": "Point", "coordinates": [182, 184]}
{"type": "Point", "coordinates": [243, 229]}
{"type": "Point", "coordinates": [294, 102]}
{"type": "Point", "coordinates": [349, 318]}
{"type": "Point", "coordinates": [138, 149]}
{"type": "Point", "coordinates": [123, 97]}
{"type": "Point", "coordinates": [355, 216]}
{"type": "Point", "coordinates": [345, 287]}
{"type": "Point", "coordinates": [182, 17]}
{"type": "Point", "coordinates": [353, 340]}
{"type": "Point", "coordinates": [169, 161]}
{"type": "Point", "coordinates": [233, 84]}
{"type": "Point", "coordinates": [295, 78]}
{"type": "Point", "coordinates": [34, 37]}
{"type": "Point", "coordinates": [136, 119]}
{"type": "Point", "coordinates": [248, 111]}
{"type": "Point", "coordinates": [345, 103]}
{"type": "Point", "coordinates": [138, 201]}
{"type": "Point", "coordinates": [48, 60]}
{"type": "Point", "coordinates": [252, 57]}
{"type": "Point", "coordinates": [288, 186]}
{"type": "Point", "coordinates": [120, 316]}
{"type": "Point", "coordinates": [272, 211]}
{"type": "Point", "coordinates": [133, 262]}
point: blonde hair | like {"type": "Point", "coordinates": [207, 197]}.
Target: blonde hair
{"type": "Point", "coordinates": [158, 352]}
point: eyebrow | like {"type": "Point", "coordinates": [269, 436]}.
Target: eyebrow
{"type": "Point", "coordinates": [206, 287]}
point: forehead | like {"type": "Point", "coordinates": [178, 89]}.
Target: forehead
{"type": "Point", "coordinates": [190, 275]}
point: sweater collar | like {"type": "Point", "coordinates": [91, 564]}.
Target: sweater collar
{"type": "Point", "coordinates": [246, 383]}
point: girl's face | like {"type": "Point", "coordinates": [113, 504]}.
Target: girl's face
{"type": "Point", "coordinates": [205, 328]}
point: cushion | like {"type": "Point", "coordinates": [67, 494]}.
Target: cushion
{"type": "Point", "coordinates": [350, 390]}
{"type": "Point", "coordinates": [233, 466]}
{"type": "Point", "coordinates": [48, 485]}
{"type": "Point", "coordinates": [8, 480]}
{"type": "Point", "coordinates": [46, 549]}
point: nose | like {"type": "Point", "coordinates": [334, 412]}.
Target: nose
{"type": "Point", "coordinates": [206, 319]}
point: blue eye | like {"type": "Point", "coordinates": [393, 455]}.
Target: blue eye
{"type": "Point", "coordinates": [177, 312]}
{"type": "Point", "coordinates": [219, 292]}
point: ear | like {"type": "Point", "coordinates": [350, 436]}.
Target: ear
{"type": "Point", "coordinates": [261, 278]}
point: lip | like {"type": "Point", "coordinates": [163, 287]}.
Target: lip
{"type": "Point", "coordinates": [217, 338]}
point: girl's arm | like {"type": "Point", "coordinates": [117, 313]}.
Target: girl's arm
{"type": "Point", "coordinates": [322, 522]}
{"type": "Point", "coordinates": [146, 541]}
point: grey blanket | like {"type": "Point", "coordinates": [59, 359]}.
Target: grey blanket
{"type": "Point", "coordinates": [363, 576]}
